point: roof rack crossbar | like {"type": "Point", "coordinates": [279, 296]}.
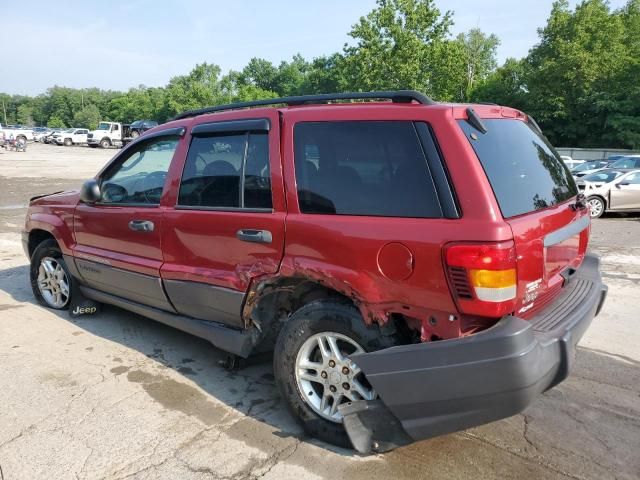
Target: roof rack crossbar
{"type": "Point", "coordinates": [396, 96]}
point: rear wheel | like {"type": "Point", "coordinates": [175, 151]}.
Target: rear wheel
{"type": "Point", "coordinates": [135, 134]}
{"type": "Point", "coordinates": [312, 368]}
{"type": "Point", "coordinates": [50, 278]}
{"type": "Point", "coordinates": [596, 206]}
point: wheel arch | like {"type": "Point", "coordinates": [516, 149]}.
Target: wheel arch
{"type": "Point", "coordinates": [36, 237]}
{"type": "Point", "coordinates": [270, 303]}
{"type": "Point", "coordinates": [54, 226]}
{"type": "Point", "coordinates": [601, 197]}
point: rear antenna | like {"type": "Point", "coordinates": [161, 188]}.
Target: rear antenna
{"type": "Point", "coordinates": [475, 121]}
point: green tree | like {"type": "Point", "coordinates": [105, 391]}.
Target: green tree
{"type": "Point", "coordinates": [24, 114]}
{"type": "Point", "coordinates": [479, 58]}
{"type": "Point", "coordinates": [404, 44]}
{"type": "Point", "coordinates": [201, 87]}
{"type": "Point", "coordinates": [581, 54]}
{"type": "Point", "coordinates": [55, 122]}
{"type": "Point", "coordinates": [88, 117]}
{"type": "Point", "coordinates": [505, 86]}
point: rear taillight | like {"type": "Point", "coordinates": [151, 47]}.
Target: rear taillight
{"type": "Point", "coordinates": [483, 277]}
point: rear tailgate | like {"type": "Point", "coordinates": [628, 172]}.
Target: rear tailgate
{"type": "Point", "coordinates": [551, 244]}
{"type": "Point", "coordinates": [536, 195]}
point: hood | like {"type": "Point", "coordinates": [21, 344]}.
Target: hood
{"type": "Point", "coordinates": [68, 197]}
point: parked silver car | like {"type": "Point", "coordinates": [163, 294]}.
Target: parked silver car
{"type": "Point", "coordinates": [611, 190]}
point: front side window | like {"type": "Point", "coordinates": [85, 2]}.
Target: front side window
{"type": "Point", "coordinates": [370, 168]}
{"type": "Point", "coordinates": [139, 177]}
{"type": "Point", "coordinates": [227, 171]}
{"type": "Point", "coordinates": [606, 177]}
{"type": "Point", "coordinates": [633, 179]}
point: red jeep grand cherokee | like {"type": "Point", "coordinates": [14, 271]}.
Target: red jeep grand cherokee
{"type": "Point", "coordinates": [418, 268]}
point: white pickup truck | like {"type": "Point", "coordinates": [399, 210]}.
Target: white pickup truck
{"type": "Point", "coordinates": [17, 133]}
{"type": "Point", "coordinates": [106, 135]}
{"type": "Point", "coordinates": [71, 136]}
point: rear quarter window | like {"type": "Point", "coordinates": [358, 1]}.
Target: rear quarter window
{"type": "Point", "coordinates": [524, 170]}
{"type": "Point", "coordinates": [367, 168]}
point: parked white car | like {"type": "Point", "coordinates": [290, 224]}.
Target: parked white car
{"type": "Point", "coordinates": [570, 162]}
{"type": "Point", "coordinates": [17, 133]}
{"type": "Point", "coordinates": [38, 136]}
{"type": "Point", "coordinates": [611, 190]}
{"type": "Point", "coordinates": [71, 136]}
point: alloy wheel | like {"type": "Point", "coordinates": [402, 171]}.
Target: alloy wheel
{"type": "Point", "coordinates": [325, 376]}
{"type": "Point", "coordinates": [53, 282]}
{"type": "Point", "coordinates": [596, 207]}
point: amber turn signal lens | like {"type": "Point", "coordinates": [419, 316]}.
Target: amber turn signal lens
{"type": "Point", "coordinates": [493, 278]}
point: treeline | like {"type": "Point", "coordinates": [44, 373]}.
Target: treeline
{"type": "Point", "coordinates": [579, 81]}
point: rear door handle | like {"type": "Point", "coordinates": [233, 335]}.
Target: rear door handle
{"type": "Point", "coordinates": [255, 236]}
{"type": "Point", "coordinates": [141, 226]}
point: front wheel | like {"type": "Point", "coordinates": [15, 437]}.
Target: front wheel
{"type": "Point", "coordinates": [68, 142]}
{"type": "Point", "coordinates": [596, 206]}
{"type": "Point", "coordinates": [50, 278]}
{"type": "Point", "coordinates": [105, 143]}
{"type": "Point", "coordinates": [312, 368]}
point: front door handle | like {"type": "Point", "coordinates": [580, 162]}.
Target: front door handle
{"type": "Point", "coordinates": [141, 226]}
{"type": "Point", "coordinates": [254, 236]}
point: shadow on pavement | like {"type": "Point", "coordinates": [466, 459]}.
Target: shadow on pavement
{"type": "Point", "coordinates": [587, 426]}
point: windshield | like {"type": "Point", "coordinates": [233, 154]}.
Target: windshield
{"type": "Point", "coordinates": [586, 166]}
{"type": "Point", "coordinates": [602, 177]}
{"type": "Point", "coordinates": [103, 126]}
{"type": "Point", "coordinates": [626, 162]}
{"type": "Point", "coordinates": [525, 171]}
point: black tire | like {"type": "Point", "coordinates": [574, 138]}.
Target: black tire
{"type": "Point", "coordinates": [48, 248]}
{"type": "Point", "coordinates": [68, 142]}
{"type": "Point", "coordinates": [105, 143]}
{"type": "Point", "coordinates": [135, 134]}
{"type": "Point", "coordinates": [597, 206]}
{"type": "Point", "coordinates": [317, 317]}
{"type": "Point", "coordinates": [22, 137]}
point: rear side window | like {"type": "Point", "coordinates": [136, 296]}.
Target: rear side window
{"type": "Point", "coordinates": [371, 168]}
{"type": "Point", "coordinates": [227, 171]}
{"type": "Point", "coordinates": [525, 171]}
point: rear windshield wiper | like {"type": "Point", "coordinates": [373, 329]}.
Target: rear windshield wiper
{"type": "Point", "coordinates": [475, 121]}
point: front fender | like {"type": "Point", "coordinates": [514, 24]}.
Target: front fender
{"type": "Point", "coordinates": [59, 227]}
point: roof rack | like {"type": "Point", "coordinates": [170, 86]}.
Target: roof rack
{"type": "Point", "coordinates": [396, 96]}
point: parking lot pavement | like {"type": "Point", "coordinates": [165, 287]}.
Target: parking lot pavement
{"type": "Point", "coordinates": [119, 396]}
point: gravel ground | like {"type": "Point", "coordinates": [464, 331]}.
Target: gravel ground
{"type": "Point", "coordinates": [119, 396]}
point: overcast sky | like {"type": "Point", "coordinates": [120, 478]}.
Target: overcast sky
{"type": "Point", "coordinates": [88, 44]}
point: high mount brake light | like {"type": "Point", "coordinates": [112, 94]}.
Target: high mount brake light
{"type": "Point", "coordinates": [489, 270]}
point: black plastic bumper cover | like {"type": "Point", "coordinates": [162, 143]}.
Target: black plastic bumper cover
{"type": "Point", "coordinates": [435, 388]}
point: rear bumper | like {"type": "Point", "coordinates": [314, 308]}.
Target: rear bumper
{"type": "Point", "coordinates": [435, 388]}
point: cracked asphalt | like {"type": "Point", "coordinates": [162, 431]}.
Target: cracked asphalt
{"type": "Point", "coordinates": [119, 396]}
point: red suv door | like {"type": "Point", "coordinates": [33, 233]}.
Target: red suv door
{"type": "Point", "coordinates": [118, 248]}
{"type": "Point", "coordinates": [226, 225]}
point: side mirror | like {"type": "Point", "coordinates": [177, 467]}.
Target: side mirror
{"type": "Point", "coordinates": [622, 184]}
{"type": "Point", "coordinates": [90, 191]}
